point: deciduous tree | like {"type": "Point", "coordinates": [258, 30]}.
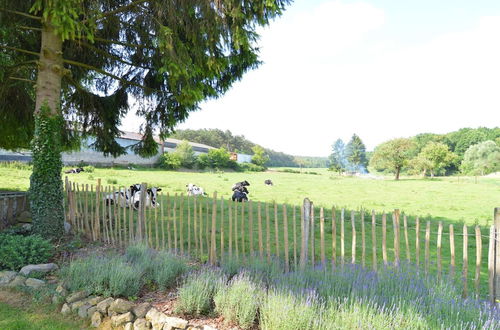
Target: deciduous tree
{"type": "Point", "coordinates": [392, 155]}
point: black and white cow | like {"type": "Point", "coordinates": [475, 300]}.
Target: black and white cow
{"type": "Point", "coordinates": [74, 170]}
{"type": "Point", "coordinates": [240, 194]}
{"type": "Point", "coordinates": [239, 185]}
{"type": "Point", "coordinates": [150, 198]}
{"type": "Point", "coordinates": [123, 197]}
{"type": "Point", "coordinates": [268, 182]}
{"type": "Point", "coordinates": [194, 190]}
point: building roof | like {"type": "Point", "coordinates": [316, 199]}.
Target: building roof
{"type": "Point", "coordinates": [137, 137]}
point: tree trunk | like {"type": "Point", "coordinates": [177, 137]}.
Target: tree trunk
{"type": "Point", "coordinates": [46, 189]}
{"type": "Point", "coordinates": [398, 169]}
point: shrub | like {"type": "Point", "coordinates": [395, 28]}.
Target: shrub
{"type": "Point", "coordinates": [166, 269]}
{"type": "Point", "coordinates": [108, 275]}
{"type": "Point", "coordinates": [251, 167]}
{"type": "Point", "coordinates": [239, 301]}
{"type": "Point", "coordinates": [112, 181]}
{"type": "Point", "coordinates": [18, 251]}
{"type": "Point", "coordinates": [89, 169]}
{"type": "Point", "coordinates": [196, 293]}
{"type": "Point", "coordinates": [169, 161]}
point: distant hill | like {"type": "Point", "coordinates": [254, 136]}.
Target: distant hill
{"type": "Point", "coordinates": [238, 143]}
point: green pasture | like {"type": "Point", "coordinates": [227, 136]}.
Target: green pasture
{"type": "Point", "coordinates": [453, 199]}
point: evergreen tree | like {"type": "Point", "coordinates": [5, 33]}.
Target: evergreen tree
{"type": "Point", "coordinates": [79, 60]}
{"type": "Point", "coordinates": [338, 160]}
{"type": "Point", "coordinates": [355, 151]}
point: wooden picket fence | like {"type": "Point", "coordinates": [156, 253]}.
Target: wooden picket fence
{"type": "Point", "coordinates": [12, 204]}
{"type": "Point", "coordinates": [214, 229]}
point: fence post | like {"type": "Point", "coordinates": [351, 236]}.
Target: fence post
{"type": "Point", "coordinates": [306, 207]}
{"type": "Point", "coordinates": [334, 238]}
{"type": "Point", "coordinates": [496, 251]}
{"type": "Point", "coordinates": [213, 247]}
{"type": "Point", "coordinates": [322, 236]}
{"type": "Point", "coordinates": [374, 241]}
{"type": "Point", "coordinates": [353, 248]}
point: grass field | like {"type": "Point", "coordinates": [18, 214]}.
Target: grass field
{"type": "Point", "coordinates": [449, 199]}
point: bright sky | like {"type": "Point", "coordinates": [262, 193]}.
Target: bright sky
{"type": "Point", "coordinates": [378, 68]}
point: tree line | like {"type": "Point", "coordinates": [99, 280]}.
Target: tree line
{"type": "Point", "coordinates": [467, 151]}
{"type": "Point", "coordinates": [238, 143]}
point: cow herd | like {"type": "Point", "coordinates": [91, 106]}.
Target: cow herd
{"type": "Point", "coordinates": [132, 196]}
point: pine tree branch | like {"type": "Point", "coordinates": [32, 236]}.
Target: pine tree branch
{"type": "Point", "coordinates": [23, 79]}
{"type": "Point", "coordinates": [20, 50]}
{"type": "Point", "coordinates": [124, 81]}
{"type": "Point", "coordinates": [116, 58]}
{"type": "Point", "coordinates": [21, 14]}
{"type": "Point", "coordinates": [117, 10]}
{"type": "Point", "coordinates": [30, 28]}
{"type": "Point", "coordinates": [125, 44]}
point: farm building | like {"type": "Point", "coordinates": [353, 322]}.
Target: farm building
{"type": "Point", "coordinates": [88, 155]}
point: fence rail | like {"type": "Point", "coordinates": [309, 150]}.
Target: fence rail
{"type": "Point", "coordinates": [12, 204]}
{"type": "Point", "coordinates": [214, 228]}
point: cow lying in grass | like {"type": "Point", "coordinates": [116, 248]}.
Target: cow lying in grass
{"type": "Point", "coordinates": [74, 170]}
{"type": "Point", "coordinates": [132, 197]}
{"type": "Point", "coordinates": [194, 190]}
{"type": "Point", "coordinates": [268, 182]}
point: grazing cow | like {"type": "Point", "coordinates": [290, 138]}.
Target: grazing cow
{"type": "Point", "coordinates": [194, 190]}
{"type": "Point", "coordinates": [74, 170]}
{"type": "Point", "coordinates": [239, 185]}
{"type": "Point", "coordinates": [268, 182]}
{"type": "Point", "coordinates": [123, 197]}
{"type": "Point", "coordinates": [151, 198]}
{"type": "Point", "coordinates": [240, 195]}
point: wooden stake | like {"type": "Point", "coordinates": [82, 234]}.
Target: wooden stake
{"type": "Point", "coordinates": [479, 247]}
{"type": "Point", "coordinates": [342, 248]}
{"type": "Point", "coordinates": [396, 238]}
{"type": "Point", "coordinates": [407, 243]}
{"type": "Point", "coordinates": [268, 234]}
{"type": "Point", "coordinates": [285, 234]}
{"type": "Point", "coordinates": [440, 234]}
{"type": "Point", "coordinates": [213, 250]}
{"type": "Point", "coordinates": [417, 242]}
{"type": "Point", "coordinates": [195, 224]}
{"type": "Point", "coordinates": [384, 238]}
{"type": "Point", "coordinates": [306, 216]}
{"type": "Point", "coordinates": [242, 227]}
{"type": "Point", "coordinates": [175, 223]}
{"type": "Point", "coordinates": [169, 224]}
{"type": "Point", "coordinates": [466, 261]}
{"type": "Point", "coordinates": [189, 224]}
{"type": "Point", "coordinates": [452, 251]}
{"type": "Point", "coordinates": [276, 231]}
{"type": "Point", "coordinates": [230, 234]}
{"type": "Point", "coordinates": [222, 229]}
{"type": "Point", "coordinates": [259, 220]}
{"type": "Point", "coordinates": [334, 237]}
{"type": "Point", "coordinates": [322, 236]}
{"type": "Point", "coordinates": [353, 249]}
{"type": "Point", "coordinates": [363, 242]}
{"type": "Point", "coordinates": [162, 222]}
{"type": "Point", "coordinates": [427, 241]}
{"type": "Point", "coordinates": [374, 240]}
{"type": "Point", "coordinates": [181, 223]}
{"type": "Point", "coordinates": [250, 226]}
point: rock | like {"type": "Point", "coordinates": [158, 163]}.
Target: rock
{"type": "Point", "coordinates": [104, 305]}
{"type": "Point", "coordinates": [141, 310]}
{"type": "Point", "coordinates": [34, 283]}
{"type": "Point", "coordinates": [121, 306]}
{"type": "Point", "coordinates": [157, 318]}
{"type": "Point", "coordinates": [25, 217]}
{"type": "Point", "coordinates": [6, 277]}
{"type": "Point", "coordinates": [91, 311]}
{"type": "Point", "coordinates": [208, 327]}
{"type": "Point", "coordinates": [121, 319]}
{"type": "Point", "coordinates": [83, 310]}
{"type": "Point", "coordinates": [175, 322]}
{"type": "Point", "coordinates": [95, 300]}
{"type": "Point", "coordinates": [65, 309]}
{"type": "Point", "coordinates": [128, 326]}
{"type": "Point", "coordinates": [57, 299]}
{"type": "Point", "coordinates": [77, 304]}
{"type": "Point", "coordinates": [42, 268]}
{"type": "Point", "coordinates": [17, 281]}
{"type": "Point", "coordinates": [61, 291]}
{"type": "Point", "coordinates": [142, 324]}
{"type": "Point", "coordinates": [96, 319]}
{"type": "Point", "coordinates": [76, 296]}
{"type": "Point", "coordinates": [27, 226]}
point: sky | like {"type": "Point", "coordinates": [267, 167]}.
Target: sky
{"type": "Point", "coordinates": [381, 69]}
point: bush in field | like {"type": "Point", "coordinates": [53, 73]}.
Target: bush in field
{"type": "Point", "coordinates": [197, 292]}
{"type": "Point", "coordinates": [17, 251]}
{"type": "Point", "coordinates": [251, 167]}
{"type": "Point", "coordinates": [239, 301]}
{"type": "Point", "coordinates": [169, 161]}
{"type": "Point", "coordinates": [216, 158]}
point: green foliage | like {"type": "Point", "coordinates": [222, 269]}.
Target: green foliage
{"type": "Point", "coordinates": [46, 190]}
{"type": "Point", "coordinates": [89, 169]}
{"type": "Point", "coordinates": [392, 155]}
{"type": "Point", "coordinates": [217, 159]}
{"type": "Point", "coordinates": [436, 156]}
{"type": "Point", "coordinates": [482, 158]}
{"type": "Point", "coordinates": [170, 161]}
{"type": "Point", "coordinates": [338, 160]}
{"type": "Point", "coordinates": [251, 167]}
{"type": "Point", "coordinates": [18, 251]}
{"type": "Point", "coordinates": [239, 301]}
{"type": "Point", "coordinates": [115, 275]}
{"type": "Point", "coordinates": [260, 158]}
{"type": "Point", "coordinates": [184, 152]}
{"type": "Point", "coordinates": [17, 165]}
{"type": "Point", "coordinates": [355, 152]}
{"type": "Point", "coordinates": [111, 181]}
{"type": "Point", "coordinates": [197, 292]}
